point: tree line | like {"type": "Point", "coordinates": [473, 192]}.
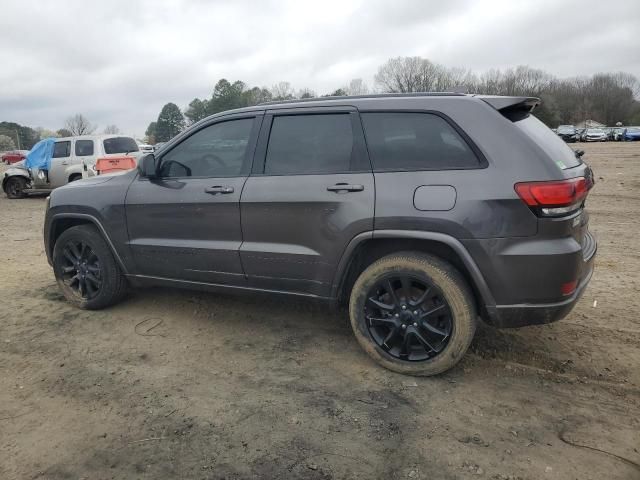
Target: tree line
{"type": "Point", "coordinates": [14, 136]}
{"type": "Point", "coordinates": [608, 98]}
{"type": "Point", "coordinates": [605, 97]}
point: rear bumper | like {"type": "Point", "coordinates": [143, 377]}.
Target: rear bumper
{"type": "Point", "coordinates": [513, 316]}
{"type": "Point", "coordinates": [526, 278]}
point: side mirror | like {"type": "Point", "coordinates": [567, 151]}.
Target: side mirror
{"type": "Point", "coordinates": [579, 153]}
{"type": "Point", "coordinates": [147, 166]}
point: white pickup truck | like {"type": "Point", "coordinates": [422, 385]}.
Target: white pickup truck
{"type": "Point", "coordinates": [72, 157]}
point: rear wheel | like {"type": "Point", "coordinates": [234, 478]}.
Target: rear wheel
{"type": "Point", "coordinates": [15, 187]}
{"type": "Point", "coordinates": [85, 269]}
{"type": "Point", "coordinates": [413, 313]}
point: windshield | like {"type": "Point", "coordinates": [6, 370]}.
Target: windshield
{"type": "Point", "coordinates": [633, 129]}
{"type": "Point", "coordinates": [120, 145]}
{"type": "Point", "coordinates": [566, 129]}
{"type": "Point", "coordinates": [596, 131]}
{"type": "Point", "coordinates": [549, 142]}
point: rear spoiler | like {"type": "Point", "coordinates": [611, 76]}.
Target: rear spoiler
{"type": "Point", "coordinates": [511, 105]}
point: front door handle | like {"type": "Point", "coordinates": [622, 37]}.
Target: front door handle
{"type": "Point", "coordinates": [215, 190]}
{"type": "Point", "coordinates": [64, 163]}
{"type": "Point", "coordinates": [345, 187]}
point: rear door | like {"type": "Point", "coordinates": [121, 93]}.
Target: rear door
{"type": "Point", "coordinates": [185, 225]}
{"type": "Point", "coordinates": [310, 193]}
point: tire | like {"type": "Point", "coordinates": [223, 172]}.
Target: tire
{"type": "Point", "coordinates": [111, 285]}
{"type": "Point", "coordinates": [15, 187]}
{"type": "Point", "coordinates": [446, 281]}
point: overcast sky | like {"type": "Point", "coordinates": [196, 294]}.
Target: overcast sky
{"type": "Point", "coordinates": [119, 62]}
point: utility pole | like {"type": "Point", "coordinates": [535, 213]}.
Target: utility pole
{"type": "Point", "coordinates": [18, 139]}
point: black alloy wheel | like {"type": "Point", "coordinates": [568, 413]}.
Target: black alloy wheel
{"type": "Point", "coordinates": [81, 270]}
{"type": "Point", "coordinates": [408, 317]}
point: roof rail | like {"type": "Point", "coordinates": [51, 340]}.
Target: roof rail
{"type": "Point", "coordinates": [375, 95]}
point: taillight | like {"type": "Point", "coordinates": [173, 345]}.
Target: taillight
{"type": "Point", "coordinates": [557, 197]}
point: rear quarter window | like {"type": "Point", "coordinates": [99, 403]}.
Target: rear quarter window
{"type": "Point", "coordinates": [415, 141]}
{"type": "Point", "coordinates": [563, 156]}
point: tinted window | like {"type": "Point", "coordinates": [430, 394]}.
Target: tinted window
{"type": "Point", "coordinates": [218, 150]}
{"type": "Point", "coordinates": [61, 149]}
{"type": "Point", "coordinates": [549, 142]}
{"type": "Point", "coordinates": [84, 148]}
{"type": "Point", "coordinates": [415, 141]}
{"type": "Point", "coordinates": [301, 144]}
{"type": "Point", "coordinates": [120, 145]}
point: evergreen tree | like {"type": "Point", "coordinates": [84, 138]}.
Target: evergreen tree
{"type": "Point", "coordinates": [170, 123]}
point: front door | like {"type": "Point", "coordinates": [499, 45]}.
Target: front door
{"type": "Point", "coordinates": [310, 194]}
{"type": "Point", "coordinates": [185, 224]}
{"type": "Point", "coordinates": [60, 160]}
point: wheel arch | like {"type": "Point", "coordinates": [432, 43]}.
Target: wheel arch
{"type": "Point", "coordinates": [366, 248]}
{"type": "Point", "coordinates": [74, 175]}
{"type": "Point", "coordinates": [64, 221]}
{"type": "Point", "coordinates": [9, 175]}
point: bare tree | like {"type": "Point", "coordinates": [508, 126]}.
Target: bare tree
{"type": "Point", "coordinates": [282, 91]}
{"type": "Point", "coordinates": [112, 129]}
{"type": "Point", "coordinates": [416, 74]}
{"type": "Point", "coordinates": [357, 87]}
{"type": "Point", "coordinates": [79, 125]}
{"type": "Point", "coordinates": [306, 93]}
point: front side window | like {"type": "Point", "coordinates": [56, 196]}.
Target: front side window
{"type": "Point", "coordinates": [415, 141]}
{"type": "Point", "coordinates": [219, 150]}
{"type": "Point", "coordinates": [61, 149]}
{"type": "Point", "coordinates": [120, 145]}
{"type": "Point", "coordinates": [84, 148]}
{"type": "Point", "coordinates": [310, 144]}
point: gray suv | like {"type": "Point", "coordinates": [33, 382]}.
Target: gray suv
{"type": "Point", "coordinates": [425, 212]}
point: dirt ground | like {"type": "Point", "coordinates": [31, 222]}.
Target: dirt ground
{"type": "Point", "coordinates": [175, 384]}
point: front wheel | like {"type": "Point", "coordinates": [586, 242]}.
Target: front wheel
{"type": "Point", "coordinates": [15, 187]}
{"type": "Point", "coordinates": [85, 269]}
{"type": "Point", "coordinates": [413, 313]}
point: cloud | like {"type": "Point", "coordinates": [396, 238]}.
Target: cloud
{"type": "Point", "coordinates": [119, 61]}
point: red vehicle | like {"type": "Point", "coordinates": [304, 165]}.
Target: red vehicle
{"type": "Point", "coordinates": [14, 156]}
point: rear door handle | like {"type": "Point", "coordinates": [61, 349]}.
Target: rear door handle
{"type": "Point", "coordinates": [64, 163]}
{"type": "Point", "coordinates": [345, 187]}
{"type": "Point", "coordinates": [215, 190]}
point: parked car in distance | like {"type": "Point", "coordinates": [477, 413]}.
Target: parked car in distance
{"type": "Point", "coordinates": [616, 134]}
{"type": "Point", "coordinates": [580, 132]}
{"type": "Point", "coordinates": [72, 158]}
{"type": "Point", "coordinates": [425, 212]}
{"type": "Point", "coordinates": [14, 156]}
{"type": "Point", "coordinates": [568, 133]}
{"type": "Point", "coordinates": [631, 134]}
{"type": "Point", "coordinates": [595, 135]}
{"type": "Point", "coordinates": [145, 148]}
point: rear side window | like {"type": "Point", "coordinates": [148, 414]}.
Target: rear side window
{"type": "Point", "coordinates": [61, 149]}
{"type": "Point", "coordinates": [308, 144]}
{"type": "Point", "coordinates": [549, 142]}
{"type": "Point", "coordinates": [415, 141]}
{"type": "Point", "coordinates": [120, 145]}
{"type": "Point", "coordinates": [84, 148]}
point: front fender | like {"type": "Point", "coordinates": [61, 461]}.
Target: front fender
{"type": "Point", "coordinates": [49, 228]}
{"type": "Point", "coordinates": [15, 172]}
